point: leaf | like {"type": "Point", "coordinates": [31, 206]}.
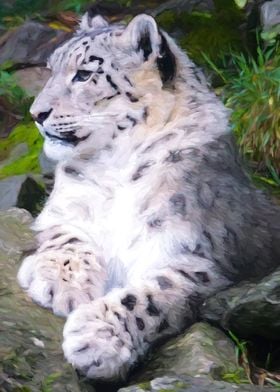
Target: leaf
{"type": "Point", "coordinates": [59, 26]}
{"type": "Point", "coordinates": [240, 3]}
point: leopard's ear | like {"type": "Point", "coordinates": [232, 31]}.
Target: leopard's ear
{"type": "Point", "coordinates": [91, 21]}
{"type": "Point", "coordinates": [143, 35]}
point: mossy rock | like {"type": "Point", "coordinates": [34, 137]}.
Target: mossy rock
{"type": "Point", "coordinates": [31, 358]}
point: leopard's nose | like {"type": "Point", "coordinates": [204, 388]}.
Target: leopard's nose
{"type": "Point", "coordinates": [41, 117]}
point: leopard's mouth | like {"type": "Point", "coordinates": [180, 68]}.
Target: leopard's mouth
{"type": "Point", "coordinates": [67, 138]}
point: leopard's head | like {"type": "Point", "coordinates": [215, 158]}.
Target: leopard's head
{"type": "Point", "coordinates": [102, 82]}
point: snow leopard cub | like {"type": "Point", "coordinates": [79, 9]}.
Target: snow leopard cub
{"type": "Point", "coordinates": [151, 211]}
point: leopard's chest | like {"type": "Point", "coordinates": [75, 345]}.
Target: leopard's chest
{"type": "Point", "coordinates": [126, 211]}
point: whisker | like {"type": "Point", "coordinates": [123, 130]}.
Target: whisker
{"type": "Point", "coordinates": [98, 115]}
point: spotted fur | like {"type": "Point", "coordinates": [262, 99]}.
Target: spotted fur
{"type": "Point", "coordinates": [151, 210]}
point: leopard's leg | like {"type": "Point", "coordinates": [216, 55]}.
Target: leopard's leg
{"type": "Point", "coordinates": [65, 271]}
{"type": "Point", "coordinates": [105, 338]}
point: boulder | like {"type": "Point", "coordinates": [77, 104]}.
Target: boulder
{"type": "Point", "coordinates": [31, 43]}
{"type": "Point", "coordinates": [247, 309]}
{"type": "Point", "coordinates": [31, 358]}
{"type": "Point", "coordinates": [22, 191]}
{"type": "Point", "coordinates": [191, 384]}
{"type": "Point", "coordinates": [9, 190]}
{"type": "Point", "coordinates": [201, 350]}
{"type": "Point", "coordinates": [270, 14]}
{"type": "Point", "coordinates": [270, 20]}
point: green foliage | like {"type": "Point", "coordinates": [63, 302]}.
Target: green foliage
{"type": "Point", "coordinates": [14, 12]}
{"type": "Point", "coordinates": [72, 5]}
{"type": "Point", "coordinates": [239, 376]}
{"type": "Point", "coordinates": [12, 92]}
{"type": "Point", "coordinates": [241, 3]}
{"type": "Point", "coordinates": [212, 33]}
{"type": "Point", "coordinates": [252, 91]}
{"type": "Point", "coordinates": [270, 36]}
{"type": "Point", "coordinates": [27, 163]}
{"type": "Point", "coordinates": [254, 96]}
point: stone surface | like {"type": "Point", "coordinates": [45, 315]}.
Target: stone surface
{"type": "Point", "coordinates": [201, 350]}
{"type": "Point", "coordinates": [30, 337]}
{"type": "Point", "coordinates": [249, 309]}
{"type": "Point", "coordinates": [31, 43]}
{"type": "Point", "coordinates": [31, 358]}
{"type": "Point", "coordinates": [270, 14]}
{"type": "Point", "coordinates": [191, 384]}
{"type": "Point", "coordinates": [9, 190]}
{"type": "Point", "coordinates": [23, 191]}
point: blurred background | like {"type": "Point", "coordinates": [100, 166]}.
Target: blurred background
{"type": "Point", "coordinates": [236, 42]}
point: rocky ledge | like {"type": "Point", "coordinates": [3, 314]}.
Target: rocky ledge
{"type": "Point", "coordinates": [31, 358]}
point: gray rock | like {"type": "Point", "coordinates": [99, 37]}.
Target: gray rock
{"type": "Point", "coordinates": [30, 337]}
{"type": "Point", "coordinates": [22, 191]}
{"type": "Point", "coordinates": [32, 79]}
{"type": "Point", "coordinates": [270, 14]}
{"type": "Point", "coordinates": [191, 384]}
{"type": "Point", "coordinates": [248, 309]}
{"type": "Point", "coordinates": [31, 43]}
{"type": "Point", "coordinates": [9, 190]}
{"type": "Point", "coordinates": [201, 350]}
{"type": "Point", "coordinates": [31, 358]}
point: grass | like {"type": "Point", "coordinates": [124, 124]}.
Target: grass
{"type": "Point", "coordinates": [242, 375]}
{"type": "Point", "coordinates": [260, 376]}
{"type": "Point", "coordinates": [251, 89]}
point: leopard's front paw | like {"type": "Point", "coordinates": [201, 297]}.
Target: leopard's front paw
{"type": "Point", "coordinates": [96, 344]}
{"type": "Point", "coordinates": [62, 280]}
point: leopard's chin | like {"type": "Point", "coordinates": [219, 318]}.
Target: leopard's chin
{"type": "Point", "coordinates": [58, 150]}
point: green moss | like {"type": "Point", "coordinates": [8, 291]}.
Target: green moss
{"type": "Point", "coordinates": [28, 163]}
{"type": "Point", "coordinates": [47, 383]}
{"type": "Point", "coordinates": [17, 367]}
{"type": "Point", "coordinates": [144, 385]}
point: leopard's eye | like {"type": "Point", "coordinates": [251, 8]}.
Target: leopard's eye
{"type": "Point", "coordinates": [82, 76]}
